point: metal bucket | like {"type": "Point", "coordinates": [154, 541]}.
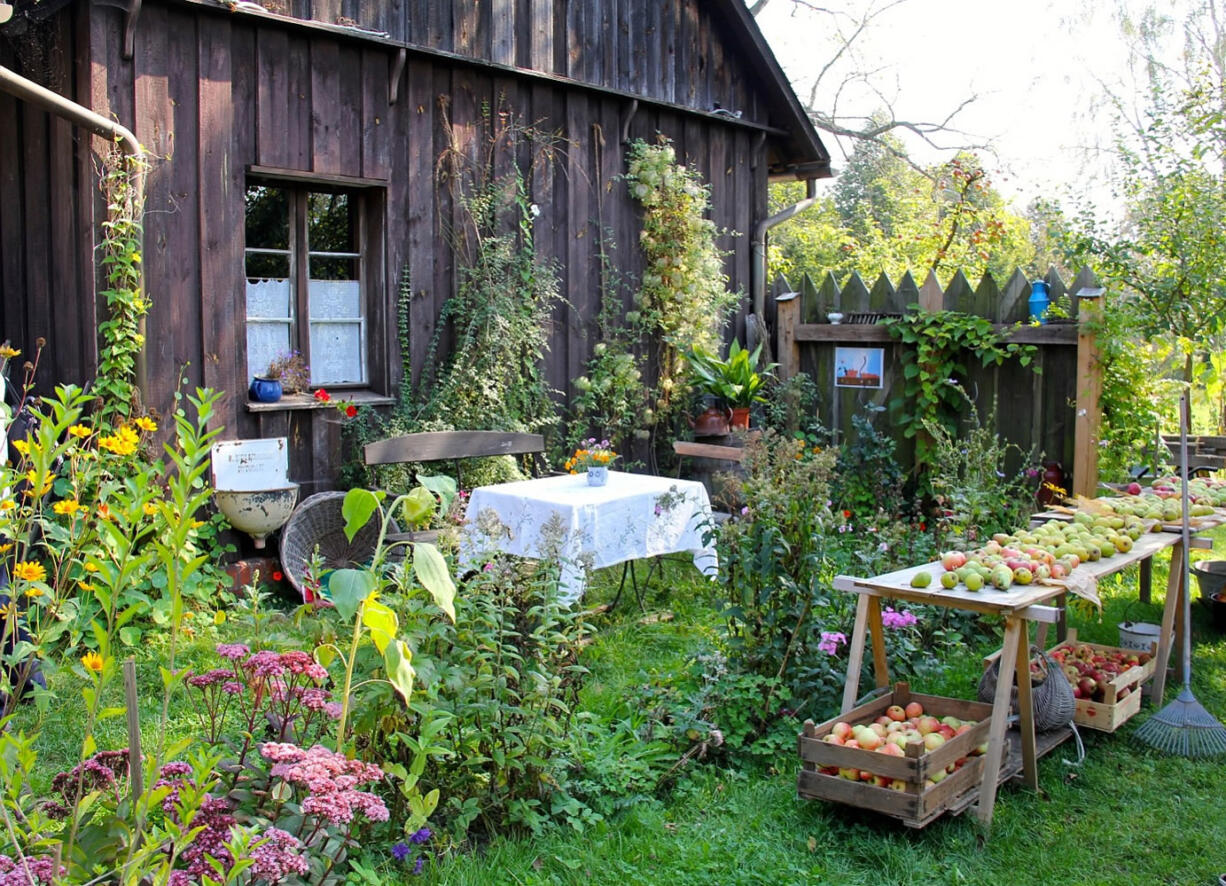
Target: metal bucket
{"type": "Point", "coordinates": [1210, 576]}
{"type": "Point", "coordinates": [1139, 635]}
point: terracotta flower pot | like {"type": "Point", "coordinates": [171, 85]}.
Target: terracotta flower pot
{"type": "Point", "coordinates": [740, 418]}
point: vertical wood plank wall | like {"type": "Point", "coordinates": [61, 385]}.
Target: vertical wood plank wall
{"type": "Point", "coordinates": [211, 93]}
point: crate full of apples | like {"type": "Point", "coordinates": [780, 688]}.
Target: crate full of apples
{"type": "Point", "coordinates": [1106, 680]}
{"type": "Point", "coordinates": [904, 754]}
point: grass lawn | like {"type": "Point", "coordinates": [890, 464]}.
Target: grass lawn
{"type": "Point", "coordinates": [1127, 815]}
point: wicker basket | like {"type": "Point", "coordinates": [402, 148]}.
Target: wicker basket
{"type": "Point", "coordinates": [1053, 699]}
{"type": "Point", "coordinates": [317, 522]}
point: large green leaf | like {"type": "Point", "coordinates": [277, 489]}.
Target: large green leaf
{"type": "Point", "coordinates": [357, 509]}
{"type": "Point", "coordinates": [442, 486]}
{"type": "Point", "coordinates": [382, 624]}
{"type": "Point", "coordinates": [347, 588]}
{"type": "Point", "coordinates": [398, 662]}
{"type": "Point", "coordinates": [431, 570]}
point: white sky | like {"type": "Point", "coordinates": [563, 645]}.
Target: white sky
{"type": "Point", "coordinates": [1033, 70]}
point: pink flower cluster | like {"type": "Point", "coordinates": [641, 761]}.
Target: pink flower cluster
{"type": "Point", "coordinates": [892, 619]}
{"type": "Point", "coordinates": [215, 821]}
{"type": "Point", "coordinates": [330, 778]}
{"type": "Point", "coordinates": [100, 772]}
{"type": "Point", "coordinates": [40, 869]}
{"type": "Point", "coordinates": [831, 641]}
{"type": "Point", "coordinates": [277, 856]}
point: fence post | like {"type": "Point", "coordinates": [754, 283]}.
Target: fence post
{"type": "Point", "coordinates": [787, 315]}
{"type": "Point", "coordinates": [1088, 415]}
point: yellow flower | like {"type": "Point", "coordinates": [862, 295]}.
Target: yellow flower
{"type": "Point", "coordinates": [8, 352]}
{"type": "Point", "coordinates": [85, 586]}
{"type": "Point", "coordinates": [149, 508]}
{"type": "Point", "coordinates": [80, 431]}
{"type": "Point", "coordinates": [146, 424]}
{"type": "Point", "coordinates": [22, 446]}
{"type": "Point", "coordinates": [67, 507]}
{"type": "Point", "coordinates": [34, 592]}
{"type": "Point", "coordinates": [93, 662]}
{"type": "Point", "coordinates": [5, 548]}
{"type": "Point", "coordinates": [91, 566]}
{"type": "Point", "coordinates": [28, 570]}
{"type": "Point", "coordinates": [196, 524]}
{"type": "Point", "coordinates": [119, 444]}
{"type": "Point", "coordinates": [7, 505]}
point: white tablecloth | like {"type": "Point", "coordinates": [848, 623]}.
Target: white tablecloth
{"type": "Point", "coordinates": [587, 527]}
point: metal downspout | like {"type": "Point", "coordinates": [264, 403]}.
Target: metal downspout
{"type": "Point", "coordinates": [757, 276]}
{"type": "Point", "coordinates": [28, 90]}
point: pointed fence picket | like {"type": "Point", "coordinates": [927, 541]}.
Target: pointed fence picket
{"type": "Point", "coordinates": [1049, 408]}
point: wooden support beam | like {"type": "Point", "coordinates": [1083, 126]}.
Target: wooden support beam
{"type": "Point", "coordinates": [1088, 416]}
{"type": "Point", "coordinates": [787, 316]}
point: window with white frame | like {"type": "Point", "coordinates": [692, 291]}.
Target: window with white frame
{"type": "Point", "coordinates": [306, 254]}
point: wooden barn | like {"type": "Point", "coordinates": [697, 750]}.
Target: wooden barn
{"type": "Point", "coordinates": [244, 108]}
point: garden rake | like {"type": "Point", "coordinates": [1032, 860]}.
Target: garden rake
{"type": "Point", "coordinates": [1183, 727]}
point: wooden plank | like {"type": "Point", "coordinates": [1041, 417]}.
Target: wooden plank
{"type": "Point", "coordinates": [541, 54]}
{"type": "Point", "coordinates": [787, 312]}
{"type": "Point", "coordinates": [446, 445]}
{"type": "Point", "coordinates": [325, 107]}
{"type": "Point", "coordinates": [708, 450]}
{"type": "Point", "coordinates": [378, 127]}
{"type": "Point", "coordinates": [273, 98]}
{"type": "Point", "coordinates": [1088, 415]}
{"type": "Point", "coordinates": [502, 32]}
{"type": "Point", "coordinates": [220, 212]}
{"type": "Point", "coordinates": [13, 229]}
{"type": "Point", "coordinates": [582, 285]}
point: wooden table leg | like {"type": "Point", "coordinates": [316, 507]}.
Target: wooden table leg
{"type": "Point", "coordinates": [855, 653]}
{"type": "Point", "coordinates": [881, 669]}
{"type": "Point", "coordinates": [1146, 582]}
{"type": "Point", "coordinates": [997, 734]}
{"type": "Point", "coordinates": [1172, 607]}
{"type": "Point", "coordinates": [1025, 708]}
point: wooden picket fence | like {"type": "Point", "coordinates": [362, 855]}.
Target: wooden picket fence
{"type": "Point", "coordinates": [1049, 408]}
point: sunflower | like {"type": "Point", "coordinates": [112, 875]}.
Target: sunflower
{"type": "Point", "coordinates": [93, 662]}
{"type": "Point", "coordinates": [28, 570]}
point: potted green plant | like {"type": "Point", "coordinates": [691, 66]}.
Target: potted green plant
{"type": "Point", "coordinates": [736, 381]}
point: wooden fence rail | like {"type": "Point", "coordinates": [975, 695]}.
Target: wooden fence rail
{"type": "Point", "coordinates": [1049, 408]}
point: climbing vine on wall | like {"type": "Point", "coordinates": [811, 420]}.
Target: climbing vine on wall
{"type": "Point", "coordinates": [120, 335]}
{"type": "Point", "coordinates": [937, 345]}
{"type": "Point", "coordinates": [683, 299]}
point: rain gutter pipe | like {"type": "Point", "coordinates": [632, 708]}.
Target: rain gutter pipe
{"type": "Point", "coordinates": [757, 278]}
{"type": "Point", "coordinates": [28, 90]}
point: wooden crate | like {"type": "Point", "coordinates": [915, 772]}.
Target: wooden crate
{"type": "Point", "coordinates": [917, 803]}
{"type": "Point", "coordinates": [1112, 712]}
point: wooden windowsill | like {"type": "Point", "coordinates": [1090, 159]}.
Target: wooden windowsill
{"type": "Point", "coordinates": [303, 402]}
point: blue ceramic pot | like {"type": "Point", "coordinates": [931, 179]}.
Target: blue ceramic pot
{"type": "Point", "coordinates": [265, 390]}
{"type": "Point", "coordinates": [597, 476]}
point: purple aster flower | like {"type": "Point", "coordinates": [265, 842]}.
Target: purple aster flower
{"type": "Point", "coordinates": [830, 642]}
{"type": "Point", "coordinates": [401, 850]}
{"type": "Point", "coordinates": [419, 864]}
{"type": "Point", "coordinates": [421, 835]}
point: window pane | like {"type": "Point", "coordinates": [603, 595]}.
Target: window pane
{"type": "Point", "coordinates": [335, 299]}
{"type": "Point", "coordinates": [337, 355]}
{"type": "Point", "coordinates": [268, 299]}
{"type": "Point", "coordinates": [333, 268]}
{"type": "Point", "coordinates": [330, 224]}
{"type": "Point", "coordinates": [264, 342]}
{"type": "Point", "coordinates": [263, 264]}
{"type": "Point", "coordinates": [267, 218]}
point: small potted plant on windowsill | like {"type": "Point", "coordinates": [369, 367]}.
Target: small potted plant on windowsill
{"type": "Point", "coordinates": [737, 382]}
{"type": "Point", "coordinates": [287, 373]}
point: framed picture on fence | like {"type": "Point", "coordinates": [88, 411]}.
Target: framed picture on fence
{"type": "Point", "coordinates": [858, 367]}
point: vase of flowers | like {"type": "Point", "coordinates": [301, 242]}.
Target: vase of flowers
{"type": "Point", "coordinates": [593, 458]}
{"type": "Point", "coordinates": [290, 373]}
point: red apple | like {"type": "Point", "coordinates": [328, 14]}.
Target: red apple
{"type": "Point", "coordinates": [841, 729]}
{"type": "Point", "coordinates": [914, 709]}
{"type": "Point", "coordinates": [896, 712]}
{"type": "Point", "coordinates": [927, 725]}
{"type": "Point", "coordinates": [933, 740]}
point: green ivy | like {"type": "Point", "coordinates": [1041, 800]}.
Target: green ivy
{"type": "Point", "coordinates": [934, 360]}
{"type": "Point", "coordinates": [120, 333]}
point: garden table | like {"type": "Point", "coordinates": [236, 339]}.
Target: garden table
{"type": "Point", "coordinates": [562, 518]}
{"type": "Point", "coordinates": [1018, 606]}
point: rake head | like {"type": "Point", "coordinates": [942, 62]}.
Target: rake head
{"type": "Point", "coordinates": [1184, 728]}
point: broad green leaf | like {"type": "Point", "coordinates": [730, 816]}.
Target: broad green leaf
{"type": "Point", "coordinates": [397, 661]}
{"type": "Point", "coordinates": [357, 509]}
{"type": "Point", "coordinates": [382, 623]}
{"type": "Point", "coordinates": [442, 486]}
{"type": "Point", "coordinates": [348, 588]}
{"type": "Point", "coordinates": [431, 570]}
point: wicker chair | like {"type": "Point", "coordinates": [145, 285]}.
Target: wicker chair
{"type": "Point", "coordinates": [317, 522]}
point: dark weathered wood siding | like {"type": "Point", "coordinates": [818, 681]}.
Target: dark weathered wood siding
{"type": "Point", "coordinates": [212, 94]}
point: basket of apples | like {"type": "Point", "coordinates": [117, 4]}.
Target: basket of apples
{"type": "Point", "coordinates": [1106, 680]}
{"type": "Point", "coordinates": [906, 755]}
